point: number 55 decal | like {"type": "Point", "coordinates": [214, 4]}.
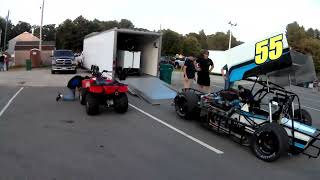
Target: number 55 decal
{"type": "Point", "coordinates": [271, 48]}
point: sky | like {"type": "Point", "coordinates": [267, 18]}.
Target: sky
{"type": "Point", "coordinates": [254, 18]}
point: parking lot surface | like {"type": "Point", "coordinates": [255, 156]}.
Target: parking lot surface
{"type": "Point", "coordinates": [44, 139]}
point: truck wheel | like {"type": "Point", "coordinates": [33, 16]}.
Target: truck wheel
{"type": "Point", "coordinates": [186, 105]}
{"type": "Point", "coordinates": [269, 142]}
{"type": "Point", "coordinates": [306, 117]}
{"type": "Point", "coordinates": [121, 103]}
{"type": "Point", "coordinates": [74, 72]}
{"type": "Point", "coordinates": [92, 104]}
{"type": "Point", "coordinates": [53, 72]}
{"type": "Point", "coordinates": [82, 96]}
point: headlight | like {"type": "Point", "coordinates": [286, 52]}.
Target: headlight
{"type": "Point", "coordinates": [53, 62]}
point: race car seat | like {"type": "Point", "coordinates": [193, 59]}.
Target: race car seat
{"type": "Point", "coordinates": [229, 95]}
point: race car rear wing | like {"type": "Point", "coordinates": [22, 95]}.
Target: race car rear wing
{"type": "Point", "coordinates": [259, 58]}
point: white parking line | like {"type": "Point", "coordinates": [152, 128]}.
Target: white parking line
{"type": "Point", "coordinates": [179, 131]}
{"type": "Point", "coordinates": [308, 107]}
{"type": "Point", "coordinates": [10, 101]}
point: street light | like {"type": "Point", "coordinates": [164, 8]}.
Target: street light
{"type": "Point", "coordinates": [5, 32]}
{"type": "Point", "coordinates": [231, 24]}
{"type": "Point", "coordinates": [40, 43]}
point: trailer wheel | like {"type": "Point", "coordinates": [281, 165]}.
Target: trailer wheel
{"type": "Point", "coordinates": [306, 117]}
{"type": "Point", "coordinates": [82, 96]}
{"type": "Point", "coordinates": [269, 142]}
{"type": "Point", "coordinates": [121, 103]}
{"type": "Point", "coordinates": [186, 105]}
{"type": "Point", "coordinates": [92, 104]}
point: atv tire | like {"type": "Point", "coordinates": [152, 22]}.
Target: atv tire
{"type": "Point", "coordinates": [306, 117]}
{"type": "Point", "coordinates": [82, 96]}
{"type": "Point", "coordinates": [269, 142]}
{"type": "Point", "coordinates": [121, 103]}
{"type": "Point", "coordinates": [186, 105]}
{"type": "Point", "coordinates": [92, 105]}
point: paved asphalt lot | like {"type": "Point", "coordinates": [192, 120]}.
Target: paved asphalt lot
{"type": "Point", "coordinates": [44, 139]}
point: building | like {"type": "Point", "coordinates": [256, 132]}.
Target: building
{"type": "Point", "coordinates": [20, 48]}
{"type": "Point", "coordinates": [23, 49]}
{"type": "Point", "coordinates": [26, 36]}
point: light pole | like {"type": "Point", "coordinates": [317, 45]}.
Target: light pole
{"type": "Point", "coordinates": [40, 43]}
{"type": "Point", "coordinates": [5, 32]}
{"type": "Point", "coordinates": [231, 24]}
{"type": "Point", "coordinates": [0, 38]}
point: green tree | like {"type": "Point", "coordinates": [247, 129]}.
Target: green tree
{"type": "Point", "coordinates": [312, 46]}
{"type": "Point", "coordinates": [191, 45]}
{"type": "Point", "coordinates": [21, 27]}
{"type": "Point", "coordinates": [125, 23]}
{"type": "Point", "coordinates": [317, 33]}
{"type": "Point", "coordinates": [311, 33]}
{"type": "Point", "coordinates": [48, 32]}
{"type": "Point", "coordinates": [218, 41]}
{"type": "Point", "coordinates": [295, 34]}
{"type": "Point", "coordinates": [65, 35]}
{"type": "Point", "coordinates": [203, 39]}
{"type": "Point", "coordinates": [171, 42]}
{"type": "Point", "coordinates": [109, 24]}
{"type": "Point", "coordinates": [193, 34]}
{"type": "Point", "coordinates": [10, 34]}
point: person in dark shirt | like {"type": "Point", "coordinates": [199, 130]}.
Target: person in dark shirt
{"type": "Point", "coordinates": [205, 66]}
{"type": "Point", "coordinates": [2, 62]}
{"type": "Point", "coordinates": [189, 71]}
{"type": "Point", "coordinates": [73, 84]}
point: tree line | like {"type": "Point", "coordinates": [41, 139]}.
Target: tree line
{"type": "Point", "coordinates": [70, 34]}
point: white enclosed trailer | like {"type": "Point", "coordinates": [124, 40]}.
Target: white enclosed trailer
{"type": "Point", "coordinates": [101, 49]}
{"type": "Point", "coordinates": [107, 51]}
{"type": "Point", "coordinates": [219, 59]}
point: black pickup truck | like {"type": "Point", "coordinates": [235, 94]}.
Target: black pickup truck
{"type": "Point", "coordinates": [63, 60]}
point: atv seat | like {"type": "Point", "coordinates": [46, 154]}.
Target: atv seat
{"type": "Point", "coordinates": [229, 95]}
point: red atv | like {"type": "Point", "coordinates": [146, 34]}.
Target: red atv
{"type": "Point", "coordinates": [97, 91]}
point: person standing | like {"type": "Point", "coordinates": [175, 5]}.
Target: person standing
{"type": "Point", "coordinates": [189, 71]}
{"type": "Point", "coordinates": [205, 66]}
{"type": "Point", "coordinates": [225, 75]}
{"type": "Point", "coordinates": [1, 62]}
{"type": "Point", "coordinates": [6, 62]}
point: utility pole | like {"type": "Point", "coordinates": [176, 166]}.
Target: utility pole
{"type": "Point", "coordinates": [231, 24]}
{"type": "Point", "coordinates": [0, 37]}
{"type": "Point", "coordinates": [40, 43]}
{"type": "Point", "coordinates": [5, 32]}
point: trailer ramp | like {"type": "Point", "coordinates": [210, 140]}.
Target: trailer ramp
{"type": "Point", "coordinates": [150, 88]}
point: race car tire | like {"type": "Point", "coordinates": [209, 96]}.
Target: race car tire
{"type": "Point", "coordinates": [269, 142]}
{"type": "Point", "coordinates": [82, 96]}
{"type": "Point", "coordinates": [306, 117]}
{"type": "Point", "coordinates": [186, 105]}
{"type": "Point", "coordinates": [121, 103]}
{"type": "Point", "coordinates": [92, 105]}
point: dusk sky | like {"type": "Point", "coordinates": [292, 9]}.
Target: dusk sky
{"type": "Point", "coordinates": [254, 18]}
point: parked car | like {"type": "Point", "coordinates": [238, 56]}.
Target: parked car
{"type": "Point", "coordinates": [63, 60]}
{"type": "Point", "coordinates": [179, 62]}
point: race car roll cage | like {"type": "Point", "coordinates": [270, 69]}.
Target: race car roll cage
{"type": "Point", "coordinates": [230, 126]}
